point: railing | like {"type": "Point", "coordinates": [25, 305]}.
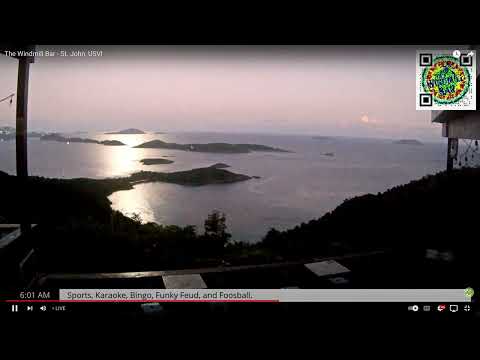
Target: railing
{"type": "Point", "coordinates": [16, 255]}
{"type": "Point", "coordinates": [316, 267]}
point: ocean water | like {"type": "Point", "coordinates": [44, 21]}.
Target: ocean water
{"type": "Point", "coordinates": [293, 187]}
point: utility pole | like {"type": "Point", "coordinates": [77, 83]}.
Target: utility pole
{"type": "Point", "coordinates": [25, 57]}
{"type": "Point", "coordinates": [22, 118]}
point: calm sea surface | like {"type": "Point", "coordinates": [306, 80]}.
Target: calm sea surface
{"type": "Point", "coordinates": [294, 187]}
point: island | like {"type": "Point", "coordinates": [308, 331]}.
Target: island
{"type": "Point", "coordinates": [130, 131]}
{"type": "Point", "coordinates": [112, 143]}
{"type": "Point", "coordinates": [88, 197]}
{"type": "Point", "coordinates": [59, 138]}
{"type": "Point", "coordinates": [35, 134]}
{"type": "Point", "coordinates": [209, 147]}
{"type": "Point", "coordinates": [155, 161]}
{"type": "Point", "coordinates": [220, 166]}
{"type": "Point", "coordinates": [159, 132]}
{"type": "Point", "coordinates": [195, 177]}
{"type": "Point", "coordinates": [328, 154]}
{"type": "Point", "coordinates": [408, 142]}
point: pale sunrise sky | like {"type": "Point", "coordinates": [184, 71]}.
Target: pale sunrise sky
{"type": "Point", "coordinates": [347, 91]}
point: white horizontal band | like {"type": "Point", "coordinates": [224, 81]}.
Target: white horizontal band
{"type": "Point", "coordinates": [274, 295]}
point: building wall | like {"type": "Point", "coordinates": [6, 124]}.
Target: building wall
{"type": "Point", "coordinates": [467, 127]}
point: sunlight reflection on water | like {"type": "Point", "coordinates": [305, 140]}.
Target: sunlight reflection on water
{"type": "Point", "coordinates": [293, 187]}
{"type": "Point", "coordinates": [134, 202]}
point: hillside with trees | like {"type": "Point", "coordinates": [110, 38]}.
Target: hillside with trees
{"type": "Point", "coordinates": [78, 230]}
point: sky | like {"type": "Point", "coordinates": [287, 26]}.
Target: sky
{"type": "Point", "coordinates": [324, 90]}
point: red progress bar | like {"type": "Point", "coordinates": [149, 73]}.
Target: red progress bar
{"type": "Point", "coordinates": [143, 301]}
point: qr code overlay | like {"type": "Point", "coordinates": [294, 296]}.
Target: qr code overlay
{"type": "Point", "coordinates": [446, 80]}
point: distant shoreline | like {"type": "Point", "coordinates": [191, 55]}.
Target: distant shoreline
{"type": "Point", "coordinates": [407, 142]}
{"type": "Point", "coordinates": [225, 148]}
{"type": "Point", "coordinates": [131, 131]}
{"type": "Point", "coordinates": [62, 139]}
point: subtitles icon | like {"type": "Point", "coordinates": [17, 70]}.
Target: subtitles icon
{"type": "Point", "coordinates": [426, 308]}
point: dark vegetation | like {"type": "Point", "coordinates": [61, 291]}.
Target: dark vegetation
{"type": "Point", "coordinates": [79, 231]}
{"type": "Point", "coordinates": [408, 142]}
{"type": "Point", "coordinates": [438, 212]}
{"type": "Point", "coordinates": [35, 134]}
{"type": "Point", "coordinates": [220, 166]}
{"type": "Point", "coordinates": [210, 147]}
{"type": "Point", "coordinates": [126, 131]}
{"type": "Point", "coordinates": [194, 177]}
{"type": "Point", "coordinates": [60, 138]}
{"type": "Point", "coordinates": [322, 137]}
{"type": "Point", "coordinates": [155, 161]}
{"type": "Point", "coordinates": [111, 142]}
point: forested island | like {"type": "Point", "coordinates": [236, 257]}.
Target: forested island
{"type": "Point", "coordinates": [408, 142]}
{"type": "Point", "coordinates": [59, 138]}
{"type": "Point", "coordinates": [322, 137]}
{"type": "Point", "coordinates": [220, 165]}
{"type": "Point", "coordinates": [130, 131]}
{"type": "Point", "coordinates": [209, 147]}
{"type": "Point", "coordinates": [195, 177]}
{"type": "Point", "coordinates": [155, 161]}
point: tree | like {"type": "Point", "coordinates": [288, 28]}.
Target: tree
{"type": "Point", "coordinates": [216, 228]}
{"type": "Point", "coordinates": [272, 238]}
{"type": "Point", "coordinates": [136, 217]}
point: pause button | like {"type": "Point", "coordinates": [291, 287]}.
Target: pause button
{"type": "Point", "coordinates": [14, 308]}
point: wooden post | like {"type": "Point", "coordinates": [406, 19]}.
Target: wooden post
{"type": "Point", "coordinates": [449, 149]}
{"type": "Point", "coordinates": [452, 149]}
{"type": "Point", "coordinates": [22, 107]}
{"type": "Point", "coordinates": [449, 155]}
{"type": "Point", "coordinates": [21, 136]}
